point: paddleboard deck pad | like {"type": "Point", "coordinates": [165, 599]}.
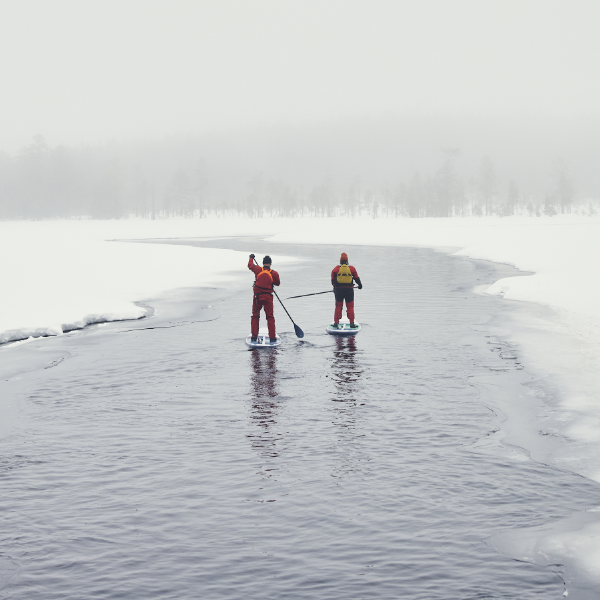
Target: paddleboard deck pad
{"type": "Point", "coordinates": [262, 341]}
{"type": "Point", "coordinates": [343, 329]}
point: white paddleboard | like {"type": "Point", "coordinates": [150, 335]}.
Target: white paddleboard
{"type": "Point", "coordinates": [262, 341]}
{"type": "Point", "coordinates": [343, 328]}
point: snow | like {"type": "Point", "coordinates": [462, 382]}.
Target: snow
{"type": "Point", "coordinates": [61, 275]}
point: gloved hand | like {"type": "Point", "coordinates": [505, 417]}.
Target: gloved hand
{"type": "Point", "coordinates": [360, 286]}
{"type": "Point", "coordinates": [252, 256]}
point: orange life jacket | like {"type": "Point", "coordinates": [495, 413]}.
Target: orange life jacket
{"type": "Point", "coordinates": [264, 281]}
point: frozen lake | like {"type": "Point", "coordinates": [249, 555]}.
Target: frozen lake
{"type": "Point", "coordinates": [163, 459]}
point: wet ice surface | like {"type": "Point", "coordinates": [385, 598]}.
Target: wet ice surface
{"type": "Point", "coordinates": [163, 459]}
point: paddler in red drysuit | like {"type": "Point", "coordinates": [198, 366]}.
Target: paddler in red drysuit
{"type": "Point", "coordinates": [263, 295]}
{"type": "Point", "coordinates": [342, 279]}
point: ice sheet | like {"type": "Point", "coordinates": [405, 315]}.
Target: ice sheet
{"type": "Point", "coordinates": [569, 545]}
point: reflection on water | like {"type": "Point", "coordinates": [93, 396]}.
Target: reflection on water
{"type": "Point", "coordinates": [347, 386]}
{"type": "Point", "coordinates": [264, 402]}
{"type": "Point", "coordinates": [346, 369]}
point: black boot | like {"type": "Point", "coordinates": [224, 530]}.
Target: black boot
{"type": "Point", "coordinates": [254, 338]}
{"type": "Point", "coordinates": [273, 340]}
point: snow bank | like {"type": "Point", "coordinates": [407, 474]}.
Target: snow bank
{"type": "Point", "coordinates": [59, 276]}
{"type": "Point", "coordinates": [61, 273]}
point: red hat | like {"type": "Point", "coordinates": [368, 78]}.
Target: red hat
{"type": "Point", "coordinates": [344, 257]}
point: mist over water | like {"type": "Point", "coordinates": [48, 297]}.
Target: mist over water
{"type": "Point", "coordinates": [421, 108]}
{"type": "Point", "coordinates": [415, 166]}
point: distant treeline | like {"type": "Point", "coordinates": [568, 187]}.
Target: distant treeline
{"type": "Point", "coordinates": [100, 182]}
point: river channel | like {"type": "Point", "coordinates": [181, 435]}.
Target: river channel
{"type": "Point", "coordinates": [162, 459]}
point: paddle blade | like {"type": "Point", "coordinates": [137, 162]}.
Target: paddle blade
{"type": "Point", "coordinates": [299, 331]}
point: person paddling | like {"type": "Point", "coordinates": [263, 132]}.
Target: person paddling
{"type": "Point", "coordinates": [343, 277]}
{"type": "Point", "coordinates": [266, 278]}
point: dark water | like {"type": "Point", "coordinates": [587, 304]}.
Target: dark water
{"type": "Point", "coordinates": [172, 462]}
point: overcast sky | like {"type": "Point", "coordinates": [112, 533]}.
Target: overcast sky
{"type": "Point", "coordinates": [91, 70]}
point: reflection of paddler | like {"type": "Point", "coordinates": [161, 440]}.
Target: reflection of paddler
{"type": "Point", "coordinates": [347, 370]}
{"type": "Point", "coordinates": [342, 278]}
{"type": "Point", "coordinates": [265, 405]}
{"type": "Point", "coordinates": [264, 374]}
{"type": "Point", "coordinates": [266, 278]}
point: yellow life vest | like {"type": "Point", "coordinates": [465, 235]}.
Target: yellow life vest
{"type": "Point", "coordinates": [344, 275]}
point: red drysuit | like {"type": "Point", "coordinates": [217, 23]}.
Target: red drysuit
{"type": "Point", "coordinates": [263, 297]}
{"type": "Point", "coordinates": [344, 291]}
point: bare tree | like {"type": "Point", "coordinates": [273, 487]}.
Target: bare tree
{"type": "Point", "coordinates": [179, 199]}
{"type": "Point", "coordinates": [446, 184]}
{"type": "Point", "coordinates": [415, 197]}
{"type": "Point", "coordinates": [107, 197]}
{"type": "Point", "coordinates": [564, 189]}
{"type": "Point", "coordinates": [200, 187]}
{"type": "Point", "coordinates": [512, 199]}
{"type": "Point", "coordinates": [488, 184]}
{"type": "Point", "coordinates": [255, 198]}
{"type": "Point", "coordinates": [33, 178]}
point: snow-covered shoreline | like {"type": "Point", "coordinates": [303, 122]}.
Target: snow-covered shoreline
{"type": "Point", "coordinates": [61, 275]}
{"type": "Point", "coordinates": [65, 275]}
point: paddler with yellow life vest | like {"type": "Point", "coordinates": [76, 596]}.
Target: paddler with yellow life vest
{"type": "Point", "coordinates": [266, 278]}
{"type": "Point", "coordinates": [343, 277]}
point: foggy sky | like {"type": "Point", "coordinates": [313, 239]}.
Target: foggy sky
{"type": "Point", "coordinates": [96, 70]}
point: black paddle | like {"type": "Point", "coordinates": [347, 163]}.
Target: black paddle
{"type": "Point", "coordinates": [297, 329]}
{"type": "Point", "coordinates": [315, 294]}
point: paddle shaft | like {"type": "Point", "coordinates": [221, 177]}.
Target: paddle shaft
{"type": "Point", "coordinates": [315, 294]}
{"type": "Point", "coordinates": [304, 295]}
